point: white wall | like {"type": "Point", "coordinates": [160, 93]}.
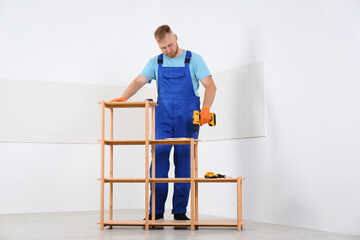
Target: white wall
{"type": "Point", "coordinates": [305, 173]}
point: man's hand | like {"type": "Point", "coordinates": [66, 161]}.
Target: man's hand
{"type": "Point", "coordinates": [205, 115]}
{"type": "Point", "coordinates": [122, 99]}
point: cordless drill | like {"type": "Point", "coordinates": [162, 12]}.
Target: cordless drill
{"type": "Point", "coordinates": [196, 120]}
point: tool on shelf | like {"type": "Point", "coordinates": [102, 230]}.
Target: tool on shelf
{"type": "Point", "coordinates": [213, 175]}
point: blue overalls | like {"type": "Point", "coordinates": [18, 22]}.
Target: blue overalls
{"type": "Point", "coordinates": [173, 119]}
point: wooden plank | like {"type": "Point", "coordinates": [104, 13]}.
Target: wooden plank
{"type": "Point", "coordinates": [170, 223]}
{"type": "Point", "coordinates": [172, 141]}
{"type": "Point", "coordinates": [153, 164]}
{"type": "Point", "coordinates": [124, 180]}
{"type": "Point", "coordinates": [140, 104]}
{"type": "Point", "coordinates": [192, 189]}
{"type": "Point", "coordinates": [111, 190]}
{"type": "Point", "coordinates": [165, 180]}
{"type": "Point", "coordinates": [211, 223]}
{"type": "Point", "coordinates": [142, 180]}
{"type": "Point", "coordinates": [196, 184]}
{"type": "Point", "coordinates": [125, 142]}
{"type": "Point", "coordinates": [124, 222]}
{"type": "Point", "coordinates": [142, 142]}
{"type": "Point", "coordinates": [210, 180]}
{"type": "Point", "coordinates": [147, 165]}
{"type": "Point", "coordinates": [142, 223]}
{"type": "Point", "coordinates": [102, 165]}
{"type": "Point", "coordinates": [239, 204]}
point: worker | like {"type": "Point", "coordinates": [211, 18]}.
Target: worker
{"type": "Point", "coordinates": [177, 73]}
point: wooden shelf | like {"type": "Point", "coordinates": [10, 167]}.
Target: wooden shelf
{"type": "Point", "coordinates": [151, 142]}
{"type": "Point", "coordinates": [147, 142]}
{"type": "Point", "coordinates": [128, 104]}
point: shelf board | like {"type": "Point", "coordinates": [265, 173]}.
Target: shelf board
{"type": "Point", "coordinates": [124, 142]}
{"type": "Point", "coordinates": [142, 180]}
{"type": "Point", "coordinates": [170, 223]}
{"type": "Point", "coordinates": [151, 142]}
{"type": "Point", "coordinates": [140, 104]}
{"type": "Point", "coordinates": [172, 141]}
{"type": "Point", "coordinates": [165, 180]}
{"type": "Point", "coordinates": [210, 180]}
{"type": "Point", "coordinates": [124, 180]}
{"type": "Point", "coordinates": [212, 223]}
{"type": "Point", "coordinates": [124, 222]}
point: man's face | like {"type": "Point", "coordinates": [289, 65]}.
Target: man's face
{"type": "Point", "coordinates": [169, 45]}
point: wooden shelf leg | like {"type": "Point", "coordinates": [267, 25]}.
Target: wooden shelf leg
{"type": "Point", "coordinates": [192, 185]}
{"type": "Point", "coordinates": [102, 165]}
{"type": "Point", "coordinates": [153, 165]}
{"type": "Point", "coordinates": [111, 193]}
{"type": "Point", "coordinates": [239, 203]}
{"type": "Point", "coordinates": [196, 184]}
{"type": "Point", "coordinates": [147, 185]}
{"type": "Point", "coordinates": [153, 195]}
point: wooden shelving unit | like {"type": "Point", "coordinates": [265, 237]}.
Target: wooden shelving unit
{"type": "Point", "coordinates": [194, 180]}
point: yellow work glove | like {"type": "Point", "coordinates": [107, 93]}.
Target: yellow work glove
{"type": "Point", "coordinates": [205, 115]}
{"type": "Point", "coordinates": [122, 99]}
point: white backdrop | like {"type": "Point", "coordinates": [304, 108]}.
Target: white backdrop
{"type": "Point", "coordinates": [305, 173]}
{"type": "Point", "coordinates": [70, 112]}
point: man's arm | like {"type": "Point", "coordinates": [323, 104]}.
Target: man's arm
{"type": "Point", "coordinates": [210, 90]}
{"type": "Point", "coordinates": [134, 86]}
{"type": "Point", "coordinates": [209, 96]}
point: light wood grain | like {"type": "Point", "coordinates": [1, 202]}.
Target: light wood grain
{"type": "Point", "coordinates": [128, 104]}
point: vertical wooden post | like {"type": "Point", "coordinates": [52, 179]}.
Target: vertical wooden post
{"type": "Point", "coordinates": [192, 183]}
{"type": "Point", "coordinates": [146, 165]}
{"type": "Point", "coordinates": [111, 165]}
{"type": "Point", "coordinates": [153, 166]}
{"type": "Point", "coordinates": [102, 164]}
{"type": "Point", "coordinates": [196, 184]}
{"type": "Point", "coordinates": [153, 124]}
{"type": "Point", "coordinates": [239, 203]}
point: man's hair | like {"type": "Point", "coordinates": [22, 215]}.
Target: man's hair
{"type": "Point", "coordinates": [161, 32]}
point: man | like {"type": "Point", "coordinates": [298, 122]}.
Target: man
{"type": "Point", "coordinates": [177, 72]}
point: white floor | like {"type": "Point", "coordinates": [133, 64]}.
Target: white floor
{"type": "Point", "coordinates": [83, 225]}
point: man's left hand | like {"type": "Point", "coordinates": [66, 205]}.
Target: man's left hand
{"type": "Point", "coordinates": [205, 115]}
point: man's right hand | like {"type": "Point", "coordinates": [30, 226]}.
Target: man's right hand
{"type": "Point", "coordinates": [122, 99]}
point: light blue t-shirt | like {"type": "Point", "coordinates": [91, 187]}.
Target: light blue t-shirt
{"type": "Point", "coordinates": [198, 68]}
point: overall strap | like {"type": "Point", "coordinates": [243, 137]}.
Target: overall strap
{"type": "Point", "coordinates": [160, 59]}
{"type": "Point", "coordinates": [187, 57]}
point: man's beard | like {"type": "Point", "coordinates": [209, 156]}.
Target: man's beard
{"type": "Point", "coordinates": [176, 52]}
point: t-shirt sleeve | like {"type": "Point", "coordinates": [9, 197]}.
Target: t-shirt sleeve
{"type": "Point", "coordinates": [149, 71]}
{"type": "Point", "coordinates": [201, 70]}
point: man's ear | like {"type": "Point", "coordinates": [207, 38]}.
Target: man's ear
{"type": "Point", "coordinates": [175, 37]}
